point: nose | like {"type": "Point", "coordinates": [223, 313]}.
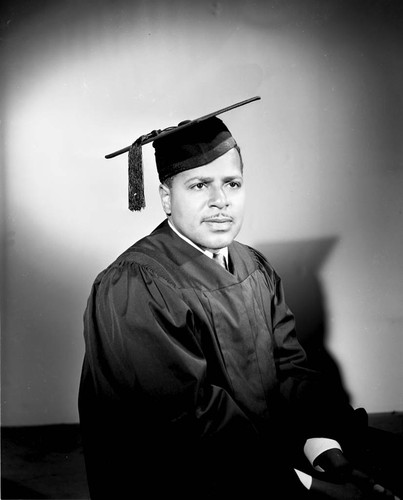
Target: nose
{"type": "Point", "coordinates": [218, 197]}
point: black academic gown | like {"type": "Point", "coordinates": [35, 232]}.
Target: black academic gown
{"type": "Point", "coordinates": [194, 383]}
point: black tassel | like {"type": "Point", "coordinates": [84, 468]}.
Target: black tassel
{"type": "Point", "coordinates": [136, 178]}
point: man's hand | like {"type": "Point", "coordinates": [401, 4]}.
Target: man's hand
{"type": "Point", "coordinates": [335, 464]}
{"type": "Point", "coordinates": [336, 491]}
{"type": "Point", "coordinates": [349, 491]}
{"type": "Point", "coordinates": [368, 484]}
{"type": "Point", "coordinates": [344, 482]}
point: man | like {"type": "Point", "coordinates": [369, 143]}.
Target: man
{"type": "Point", "coordinates": [194, 383]}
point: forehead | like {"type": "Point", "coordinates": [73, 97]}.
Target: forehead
{"type": "Point", "coordinates": [227, 165]}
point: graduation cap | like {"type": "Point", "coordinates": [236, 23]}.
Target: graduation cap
{"type": "Point", "coordinates": [190, 144]}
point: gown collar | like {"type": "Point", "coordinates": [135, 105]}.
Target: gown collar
{"type": "Point", "coordinates": [195, 264]}
{"type": "Point", "coordinates": [222, 251]}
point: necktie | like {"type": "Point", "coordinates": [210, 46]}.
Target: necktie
{"type": "Point", "coordinates": [220, 259]}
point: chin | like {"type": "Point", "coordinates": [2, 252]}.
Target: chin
{"type": "Point", "coordinates": [218, 241]}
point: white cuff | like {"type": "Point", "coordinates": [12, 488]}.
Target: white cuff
{"type": "Point", "coordinates": [305, 479]}
{"type": "Point", "coordinates": [315, 446]}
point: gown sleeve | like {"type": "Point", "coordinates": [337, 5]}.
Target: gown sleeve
{"type": "Point", "coordinates": [145, 403]}
{"type": "Point", "coordinates": [144, 357]}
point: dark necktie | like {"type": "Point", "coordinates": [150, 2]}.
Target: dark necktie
{"type": "Point", "coordinates": [220, 259]}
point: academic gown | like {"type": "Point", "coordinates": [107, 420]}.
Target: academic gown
{"type": "Point", "coordinates": [193, 382]}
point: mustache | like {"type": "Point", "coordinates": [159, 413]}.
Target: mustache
{"type": "Point", "coordinates": [218, 218]}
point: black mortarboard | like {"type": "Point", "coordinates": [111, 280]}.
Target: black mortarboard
{"type": "Point", "coordinates": [191, 144]}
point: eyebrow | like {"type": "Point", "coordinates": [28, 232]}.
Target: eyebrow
{"type": "Point", "coordinates": [208, 180]}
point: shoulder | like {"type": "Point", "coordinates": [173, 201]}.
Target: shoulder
{"type": "Point", "coordinates": [142, 260]}
{"type": "Point", "coordinates": [136, 262]}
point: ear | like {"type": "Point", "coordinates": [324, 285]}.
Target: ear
{"type": "Point", "coordinates": [165, 194]}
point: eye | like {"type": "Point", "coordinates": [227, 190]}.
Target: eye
{"type": "Point", "coordinates": [235, 184]}
{"type": "Point", "coordinates": [198, 186]}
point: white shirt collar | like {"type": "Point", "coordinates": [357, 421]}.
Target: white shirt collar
{"type": "Point", "coordinates": [223, 251]}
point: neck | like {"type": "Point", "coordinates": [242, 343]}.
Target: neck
{"type": "Point", "coordinates": [208, 251]}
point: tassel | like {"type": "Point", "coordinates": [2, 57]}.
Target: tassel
{"type": "Point", "coordinates": [136, 178]}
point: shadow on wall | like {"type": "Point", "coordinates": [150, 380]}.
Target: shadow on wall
{"type": "Point", "coordinates": [298, 263]}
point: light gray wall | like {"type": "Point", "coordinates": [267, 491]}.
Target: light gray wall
{"type": "Point", "coordinates": [323, 155]}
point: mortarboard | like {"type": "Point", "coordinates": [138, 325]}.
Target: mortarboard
{"type": "Point", "coordinates": [190, 144]}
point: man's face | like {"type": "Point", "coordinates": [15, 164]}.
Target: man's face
{"type": "Point", "coordinates": [207, 203]}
